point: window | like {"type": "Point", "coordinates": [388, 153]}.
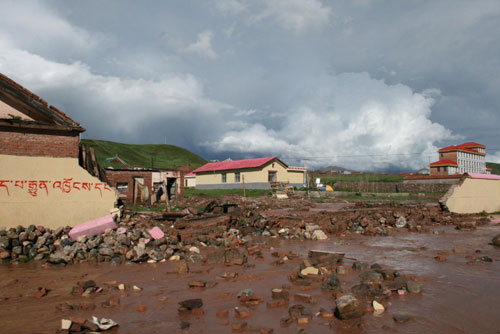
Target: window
{"type": "Point", "coordinates": [439, 169]}
{"type": "Point", "coordinates": [224, 177]}
{"type": "Point", "coordinates": [236, 177]}
{"type": "Point", "coordinates": [441, 155]}
{"type": "Point", "coordinates": [444, 169]}
{"type": "Point", "coordinates": [272, 176]}
{"type": "Point", "coordinates": [122, 186]}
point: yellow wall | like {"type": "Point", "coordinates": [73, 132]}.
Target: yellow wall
{"type": "Point", "coordinates": [296, 176]}
{"type": "Point", "coordinates": [191, 181]}
{"type": "Point", "coordinates": [474, 195]}
{"type": "Point", "coordinates": [251, 175]}
{"type": "Point", "coordinates": [51, 192]}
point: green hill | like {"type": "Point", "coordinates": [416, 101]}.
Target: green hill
{"type": "Point", "coordinates": [495, 167]}
{"type": "Point", "coordinates": [157, 156]}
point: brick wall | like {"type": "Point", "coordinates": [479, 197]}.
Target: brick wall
{"type": "Point", "coordinates": [39, 144]}
{"type": "Point", "coordinates": [448, 156]}
{"type": "Point", "coordinates": [115, 177]}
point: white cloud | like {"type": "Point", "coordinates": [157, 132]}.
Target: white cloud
{"type": "Point", "coordinates": [495, 157]}
{"type": "Point", "coordinates": [295, 15]}
{"type": "Point", "coordinates": [203, 46]}
{"type": "Point", "coordinates": [351, 120]}
{"type": "Point", "coordinates": [31, 25]}
{"type": "Point", "coordinates": [230, 6]}
{"type": "Point", "coordinates": [116, 104]}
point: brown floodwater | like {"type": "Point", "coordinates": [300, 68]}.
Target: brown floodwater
{"type": "Point", "coordinates": [457, 297]}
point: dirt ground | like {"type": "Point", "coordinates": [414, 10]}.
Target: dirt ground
{"type": "Point", "coordinates": [457, 296]}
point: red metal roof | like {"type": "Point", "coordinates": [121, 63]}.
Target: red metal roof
{"type": "Point", "coordinates": [468, 147]}
{"type": "Point", "coordinates": [444, 163]}
{"type": "Point", "coordinates": [190, 174]}
{"type": "Point", "coordinates": [236, 164]}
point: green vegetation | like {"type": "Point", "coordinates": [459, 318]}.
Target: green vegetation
{"type": "Point", "coordinates": [495, 167]}
{"type": "Point", "coordinates": [157, 156]}
{"type": "Point", "coordinates": [190, 192]}
{"type": "Point", "coordinates": [365, 177]}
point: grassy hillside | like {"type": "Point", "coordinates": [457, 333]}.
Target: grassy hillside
{"type": "Point", "coordinates": [495, 167]}
{"type": "Point", "coordinates": [157, 156]}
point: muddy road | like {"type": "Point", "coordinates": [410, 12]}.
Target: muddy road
{"type": "Point", "coordinates": [459, 295]}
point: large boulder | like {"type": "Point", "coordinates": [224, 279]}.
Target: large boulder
{"type": "Point", "coordinates": [348, 307]}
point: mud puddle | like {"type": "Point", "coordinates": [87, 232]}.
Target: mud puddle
{"type": "Point", "coordinates": [457, 297]}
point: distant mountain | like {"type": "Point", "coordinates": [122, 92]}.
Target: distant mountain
{"type": "Point", "coordinates": [329, 168]}
{"type": "Point", "coordinates": [495, 167]}
{"type": "Point", "coordinates": [156, 156]}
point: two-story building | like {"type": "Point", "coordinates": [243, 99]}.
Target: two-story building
{"type": "Point", "coordinates": [459, 159]}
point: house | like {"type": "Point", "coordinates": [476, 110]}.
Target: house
{"type": "Point", "coordinates": [459, 159]}
{"type": "Point", "coordinates": [41, 181]}
{"type": "Point", "coordinates": [190, 180]}
{"type": "Point", "coordinates": [253, 173]}
{"type": "Point", "coordinates": [136, 184]}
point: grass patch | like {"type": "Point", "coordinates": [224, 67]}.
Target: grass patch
{"type": "Point", "coordinates": [157, 156]}
{"type": "Point", "coordinates": [365, 177]}
{"type": "Point", "coordinates": [495, 168]}
{"type": "Point", "coordinates": [190, 192]}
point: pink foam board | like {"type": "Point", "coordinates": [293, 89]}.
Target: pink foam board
{"type": "Point", "coordinates": [484, 176]}
{"type": "Point", "coordinates": [495, 220]}
{"type": "Point", "coordinates": [156, 233]}
{"type": "Point", "coordinates": [93, 227]}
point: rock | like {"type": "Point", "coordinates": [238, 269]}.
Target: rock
{"type": "Point", "coordinates": [414, 287]}
{"type": "Point", "coordinates": [371, 276]}
{"type": "Point", "coordinates": [319, 235]}
{"type": "Point", "coordinates": [181, 268]}
{"type": "Point", "coordinates": [495, 241]}
{"type": "Point", "coordinates": [65, 324]}
{"type": "Point", "coordinates": [141, 308]}
{"type": "Point", "coordinates": [360, 265]}
{"type": "Point", "coordinates": [377, 307]}
{"type": "Point", "coordinates": [191, 304]}
{"type": "Point", "coordinates": [401, 318]}
{"type": "Point", "coordinates": [400, 222]}
{"type": "Point", "coordinates": [106, 251]}
{"type": "Point", "coordinates": [185, 324]}
{"type": "Point", "coordinates": [440, 258]}
{"type": "Point", "coordinates": [194, 250]}
{"type": "Point", "coordinates": [331, 283]}
{"type": "Point", "coordinates": [348, 307]}
{"type": "Point", "coordinates": [310, 271]}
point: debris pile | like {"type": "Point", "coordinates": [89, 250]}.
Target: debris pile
{"type": "Point", "coordinates": [219, 230]}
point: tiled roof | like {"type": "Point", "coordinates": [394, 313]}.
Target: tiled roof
{"type": "Point", "coordinates": [467, 147]}
{"type": "Point", "coordinates": [191, 174]}
{"type": "Point", "coordinates": [472, 144]}
{"type": "Point", "coordinates": [444, 163]}
{"type": "Point", "coordinates": [236, 164]}
{"type": "Point", "coordinates": [47, 110]}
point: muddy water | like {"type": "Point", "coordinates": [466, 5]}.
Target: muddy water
{"type": "Point", "coordinates": [457, 297]}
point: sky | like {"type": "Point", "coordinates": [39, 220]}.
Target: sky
{"type": "Point", "coordinates": [369, 85]}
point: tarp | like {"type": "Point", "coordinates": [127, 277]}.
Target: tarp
{"type": "Point", "coordinates": [326, 188]}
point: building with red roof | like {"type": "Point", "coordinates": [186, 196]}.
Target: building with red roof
{"type": "Point", "coordinates": [468, 157]}
{"type": "Point", "coordinates": [253, 173]}
{"type": "Point", "coordinates": [42, 181]}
